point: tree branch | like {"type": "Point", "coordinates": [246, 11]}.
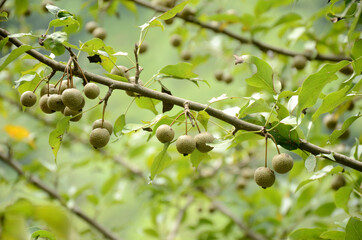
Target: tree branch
{"type": "Point", "coordinates": [224, 210]}
{"type": "Point", "coordinates": [146, 92]}
{"type": "Point", "coordinates": [7, 159]}
{"type": "Point", "coordinates": [262, 46]}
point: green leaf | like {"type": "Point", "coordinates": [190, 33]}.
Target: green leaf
{"type": "Point", "coordinates": [27, 82]}
{"type": "Point", "coordinates": [306, 234]}
{"type": "Point", "coordinates": [285, 136]}
{"type": "Point", "coordinates": [203, 117]}
{"type": "Point", "coordinates": [357, 49]}
{"type": "Point", "coordinates": [109, 184]}
{"type": "Point", "coordinates": [119, 124]}
{"type": "Point", "coordinates": [334, 235]}
{"type": "Point", "coordinates": [352, 34]}
{"type": "Point", "coordinates": [64, 22]}
{"type": "Point", "coordinates": [331, 101]}
{"type": "Point", "coordinates": [116, 77]}
{"type": "Point", "coordinates": [54, 42]}
{"type": "Point", "coordinates": [328, 170]}
{"type": "Point", "coordinates": [310, 163]}
{"type": "Point", "coordinates": [172, 12]}
{"type": "Point", "coordinates": [180, 70]}
{"type": "Point", "coordinates": [289, 17]}
{"type": "Point", "coordinates": [325, 209]}
{"type": "Point", "coordinates": [313, 85]}
{"type": "Point", "coordinates": [197, 157]}
{"type": "Point", "coordinates": [147, 103]}
{"type": "Point", "coordinates": [354, 229]}
{"type": "Point", "coordinates": [337, 133]}
{"type": "Point", "coordinates": [263, 78]}
{"type": "Point", "coordinates": [254, 106]}
{"type": "Point", "coordinates": [151, 232]}
{"type": "Point", "coordinates": [21, 6]}
{"type": "Point", "coordinates": [357, 65]}
{"type": "Point", "coordinates": [4, 61]}
{"type": "Point", "coordinates": [160, 162]}
{"type": "Point", "coordinates": [341, 197]}
{"type": "Point", "coordinates": [56, 136]}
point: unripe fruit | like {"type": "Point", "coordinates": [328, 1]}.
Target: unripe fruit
{"type": "Point", "coordinates": [91, 90]}
{"type": "Point", "coordinates": [247, 173]}
{"type": "Point", "coordinates": [228, 78]}
{"type": "Point", "coordinates": [133, 81]}
{"type": "Point", "coordinates": [299, 62]}
{"type": "Point", "coordinates": [186, 55]}
{"type": "Point", "coordinates": [282, 163]}
{"type": "Point", "coordinates": [90, 26]}
{"type": "Point", "coordinates": [45, 88]}
{"type": "Point", "coordinates": [187, 12]}
{"type": "Point", "coordinates": [143, 47]}
{"type": "Point", "coordinates": [106, 124]}
{"type": "Point", "coordinates": [347, 70]}
{"type": "Point", "coordinates": [120, 71]}
{"type": "Point", "coordinates": [241, 183]}
{"type": "Point", "coordinates": [176, 40]}
{"type": "Point", "coordinates": [202, 139]}
{"type": "Point", "coordinates": [99, 137]}
{"type": "Point", "coordinates": [72, 98]}
{"type": "Point", "coordinates": [165, 133]}
{"type": "Point", "coordinates": [219, 75]}
{"type": "Point", "coordinates": [62, 86]}
{"type": "Point", "coordinates": [28, 99]}
{"type": "Point", "coordinates": [169, 21]}
{"type": "Point", "coordinates": [44, 3]}
{"type": "Point", "coordinates": [264, 177]}
{"type": "Point", "coordinates": [100, 33]}
{"type": "Point", "coordinates": [330, 121]}
{"type": "Point", "coordinates": [338, 182]}
{"type": "Point", "coordinates": [344, 135]}
{"type": "Point", "coordinates": [55, 102]}
{"type": "Point", "coordinates": [185, 144]}
{"type": "Point", "coordinates": [43, 104]}
{"type": "Point", "coordinates": [72, 113]}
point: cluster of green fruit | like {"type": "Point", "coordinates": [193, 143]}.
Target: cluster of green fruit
{"type": "Point", "coordinates": [176, 41]}
{"type": "Point", "coordinates": [185, 144]}
{"type": "Point", "coordinates": [97, 31]}
{"type": "Point", "coordinates": [222, 76]}
{"type": "Point", "coordinates": [265, 177]}
{"type": "Point", "coordinates": [122, 71]}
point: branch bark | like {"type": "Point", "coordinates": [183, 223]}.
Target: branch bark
{"type": "Point", "coordinates": [262, 46]}
{"type": "Point", "coordinates": [7, 159]}
{"type": "Point", "coordinates": [146, 92]}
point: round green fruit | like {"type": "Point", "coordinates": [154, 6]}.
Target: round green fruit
{"type": "Point", "coordinates": [299, 62]}
{"type": "Point", "coordinates": [28, 99]}
{"type": "Point", "coordinates": [143, 47]}
{"type": "Point", "coordinates": [228, 78]}
{"type": "Point", "coordinates": [72, 98]}
{"type": "Point", "coordinates": [165, 133]}
{"type": "Point", "coordinates": [73, 114]}
{"type": "Point", "coordinates": [185, 144]}
{"type": "Point", "coordinates": [91, 90]}
{"type": "Point", "coordinates": [219, 75]}
{"type": "Point", "coordinates": [55, 102]}
{"type": "Point", "coordinates": [338, 182]}
{"type": "Point", "coordinates": [264, 177]}
{"type": "Point", "coordinates": [176, 40]}
{"type": "Point", "coordinates": [186, 55]}
{"type": "Point", "coordinates": [100, 33]}
{"type": "Point", "coordinates": [330, 121]}
{"type": "Point", "coordinates": [282, 163]}
{"type": "Point", "coordinates": [91, 26]}
{"type": "Point", "coordinates": [47, 89]}
{"type": "Point", "coordinates": [99, 137]}
{"type": "Point", "coordinates": [43, 104]}
{"type": "Point", "coordinates": [120, 71]}
{"type": "Point", "coordinates": [202, 139]}
{"type": "Point", "coordinates": [106, 124]}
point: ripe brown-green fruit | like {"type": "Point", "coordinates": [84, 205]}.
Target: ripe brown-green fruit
{"type": "Point", "coordinates": [247, 173]}
{"type": "Point", "coordinates": [72, 113]}
{"type": "Point", "coordinates": [187, 12]}
{"type": "Point", "coordinates": [344, 135]}
{"type": "Point", "coordinates": [264, 177]}
{"type": "Point", "coordinates": [282, 163]}
{"type": "Point", "coordinates": [72, 98]}
{"type": "Point", "coordinates": [299, 62]}
{"type": "Point", "coordinates": [120, 71]}
{"type": "Point", "coordinates": [165, 133]}
{"type": "Point", "coordinates": [143, 47]}
{"type": "Point", "coordinates": [28, 99]}
{"type": "Point", "coordinates": [133, 81]}
{"type": "Point", "coordinates": [186, 55]}
{"type": "Point", "coordinates": [99, 137]}
{"type": "Point", "coordinates": [47, 89]}
{"type": "Point", "coordinates": [62, 86]}
{"type": "Point", "coordinates": [219, 75]}
{"type": "Point", "coordinates": [185, 144]}
{"type": "Point", "coordinates": [106, 124]}
{"type": "Point", "coordinates": [169, 21]}
{"type": "Point", "coordinates": [347, 70]}
{"type": "Point", "coordinates": [176, 40]}
{"type": "Point", "coordinates": [338, 182]}
{"type": "Point", "coordinates": [91, 26]}
{"type": "Point", "coordinates": [91, 90]}
{"type": "Point", "coordinates": [43, 104]}
{"type": "Point", "coordinates": [100, 33]}
{"type": "Point", "coordinates": [228, 78]}
{"type": "Point", "coordinates": [241, 183]}
{"type": "Point", "coordinates": [55, 102]}
{"type": "Point", "coordinates": [330, 121]}
{"type": "Point", "coordinates": [202, 139]}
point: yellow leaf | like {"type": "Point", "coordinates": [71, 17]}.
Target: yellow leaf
{"type": "Point", "coordinates": [16, 132]}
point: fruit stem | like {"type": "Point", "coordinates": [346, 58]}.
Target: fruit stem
{"type": "Point", "coordinates": [275, 142]}
{"type": "Point", "coordinates": [105, 100]}
{"type": "Point", "coordinates": [176, 118]}
{"type": "Point", "coordinates": [266, 150]}
{"type": "Point", "coordinates": [137, 76]}
{"type": "Point", "coordinates": [197, 125]}
{"type": "Point", "coordinates": [81, 71]}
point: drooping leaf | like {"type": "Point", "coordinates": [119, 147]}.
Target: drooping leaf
{"type": "Point", "coordinates": [357, 49]}
{"type": "Point", "coordinates": [333, 235]}
{"type": "Point", "coordinates": [42, 234]}
{"type": "Point", "coordinates": [263, 78]}
{"type": "Point", "coordinates": [64, 22]}
{"type": "Point", "coordinates": [197, 157]}
{"type": "Point", "coordinates": [56, 136]}
{"type": "Point", "coordinates": [310, 163]}
{"type": "Point", "coordinates": [27, 82]}
{"type": "Point", "coordinates": [173, 11]}
{"type": "Point", "coordinates": [147, 103]}
{"type": "Point", "coordinates": [180, 70]}
{"type": "Point", "coordinates": [289, 17]}
{"type": "Point", "coordinates": [160, 161]}
{"type": "Point", "coordinates": [306, 234]}
{"type": "Point", "coordinates": [119, 124]}
{"type": "Point", "coordinates": [337, 133]}
{"type": "Point", "coordinates": [54, 42]}
{"type": "Point", "coordinates": [285, 136]}
{"type": "Point", "coordinates": [313, 85]}
{"type": "Point", "coordinates": [4, 61]}
{"type": "Point", "coordinates": [341, 197]}
{"type": "Point", "coordinates": [254, 106]}
{"type": "Point", "coordinates": [203, 117]}
{"type": "Point", "coordinates": [354, 229]}
{"type": "Point", "coordinates": [166, 106]}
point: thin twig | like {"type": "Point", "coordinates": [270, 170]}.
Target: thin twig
{"type": "Point", "coordinates": [2, 3]}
